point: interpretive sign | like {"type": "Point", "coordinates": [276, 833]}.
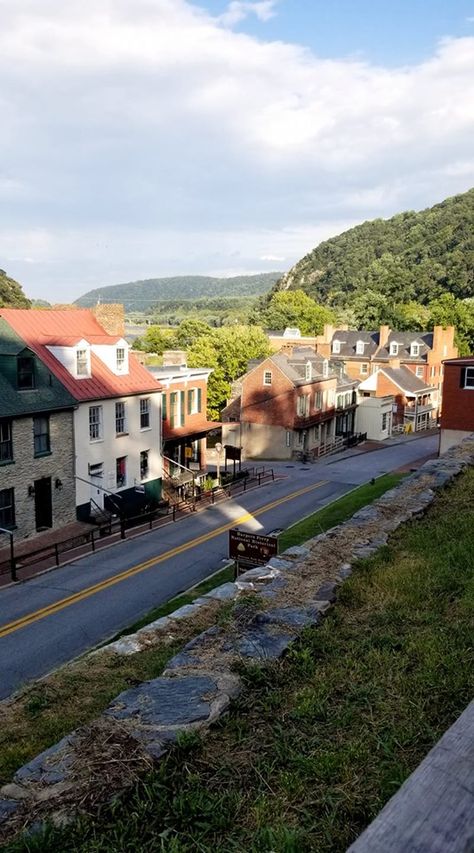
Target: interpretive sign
{"type": "Point", "coordinates": [251, 549]}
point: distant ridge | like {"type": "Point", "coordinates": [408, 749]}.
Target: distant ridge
{"type": "Point", "coordinates": [141, 295]}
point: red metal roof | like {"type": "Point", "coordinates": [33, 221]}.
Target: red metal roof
{"type": "Point", "coordinates": [41, 328]}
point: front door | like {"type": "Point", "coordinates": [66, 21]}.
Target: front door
{"type": "Point", "coordinates": [43, 503]}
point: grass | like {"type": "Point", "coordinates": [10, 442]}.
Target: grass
{"type": "Point", "coordinates": [337, 512]}
{"type": "Point", "coordinates": [318, 742]}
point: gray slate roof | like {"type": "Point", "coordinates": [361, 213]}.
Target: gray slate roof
{"type": "Point", "coordinates": [406, 379]}
{"type": "Point", "coordinates": [404, 340]}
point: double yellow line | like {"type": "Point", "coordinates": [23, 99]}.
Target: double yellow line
{"type": "Point", "coordinates": [50, 609]}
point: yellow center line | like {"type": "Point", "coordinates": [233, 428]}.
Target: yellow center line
{"type": "Point", "coordinates": [56, 606]}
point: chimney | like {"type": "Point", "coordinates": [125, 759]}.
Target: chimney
{"type": "Point", "coordinates": [394, 362]}
{"type": "Point", "coordinates": [328, 333]}
{"type": "Point", "coordinates": [384, 333]}
{"type": "Point", "coordinates": [111, 317]}
{"type": "Point", "coordinates": [443, 337]}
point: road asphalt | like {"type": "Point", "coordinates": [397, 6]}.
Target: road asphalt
{"type": "Point", "coordinates": [57, 616]}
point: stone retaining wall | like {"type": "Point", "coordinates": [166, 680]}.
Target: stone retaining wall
{"type": "Point", "coordinates": [273, 604]}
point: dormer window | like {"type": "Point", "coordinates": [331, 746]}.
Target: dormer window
{"type": "Point", "coordinates": [82, 362]}
{"type": "Point", "coordinates": [414, 350]}
{"type": "Point", "coordinates": [308, 371]}
{"type": "Point", "coordinates": [120, 359]}
{"type": "Point", "coordinates": [393, 348]}
{"type": "Point", "coordinates": [360, 347]}
{"type": "Point", "coordinates": [336, 347]}
{"type": "Point", "coordinates": [25, 373]}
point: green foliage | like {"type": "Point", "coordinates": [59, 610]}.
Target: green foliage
{"type": "Point", "coordinates": [11, 293]}
{"type": "Point", "coordinates": [413, 256]}
{"type": "Point", "coordinates": [154, 340]}
{"type": "Point", "coordinates": [449, 311]}
{"type": "Point", "coordinates": [227, 351]}
{"type": "Point", "coordinates": [188, 331]}
{"type": "Point", "coordinates": [141, 295]}
{"type": "Point", "coordinates": [294, 308]}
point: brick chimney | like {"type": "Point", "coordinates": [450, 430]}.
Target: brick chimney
{"type": "Point", "coordinates": [328, 332]}
{"type": "Point", "coordinates": [384, 333]}
{"type": "Point", "coordinates": [111, 317]}
{"type": "Point", "coordinates": [443, 337]}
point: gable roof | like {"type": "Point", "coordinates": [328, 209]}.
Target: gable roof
{"type": "Point", "coordinates": [40, 328]}
{"type": "Point", "coordinates": [348, 343]}
{"type": "Point", "coordinates": [404, 341]}
{"type": "Point", "coordinates": [405, 379]}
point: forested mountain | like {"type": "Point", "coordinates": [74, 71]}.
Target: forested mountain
{"type": "Point", "coordinates": [412, 256]}
{"type": "Point", "coordinates": [142, 295]}
{"type": "Point", "coordinates": [11, 293]}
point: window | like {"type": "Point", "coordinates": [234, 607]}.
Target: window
{"type": "Point", "coordinates": [199, 400]}
{"type": "Point", "coordinates": [181, 408]}
{"type": "Point", "coordinates": [318, 400]}
{"type": "Point", "coordinates": [415, 350]}
{"type": "Point", "coordinates": [308, 371]}
{"type": "Point", "coordinates": [96, 469]}
{"type": "Point", "coordinates": [95, 423]}
{"type": "Point", "coordinates": [469, 377]}
{"type": "Point", "coordinates": [82, 362]}
{"type": "Point", "coordinates": [120, 424]}
{"type": "Point", "coordinates": [419, 372]}
{"type": "Point", "coordinates": [325, 367]}
{"type": "Point", "coordinates": [121, 472]}
{"type": "Point", "coordinates": [316, 432]}
{"type": "Point", "coordinates": [25, 373]}
{"type": "Point", "coordinates": [163, 406]}
{"type": "Point", "coordinates": [393, 348]}
{"type": "Point", "coordinates": [41, 436]}
{"type": "Point", "coordinates": [288, 438]}
{"type": "Point", "coordinates": [120, 359]}
{"type": "Point", "coordinates": [145, 412]}
{"type": "Point", "coordinates": [364, 369]}
{"type": "Point", "coordinates": [340, 401]}
{"type": "Point", "coordinates": [336, 347]}
{"type": "Point", "coordinates": [144, 467]}
{"type": "Point", "coordinates": [267, 377]}
{"type": "Point", "coordinates": [433, 372]}
{"type": "Point", "coordinates": [384, 421]}
{"type": "Point", "coordinates": [173, 409]}
{"type": "Point", "coordinates": [7, 508]}
{"type": "Point", "coordinates": [6, 444]}
{"type": "Point", "coordinates": [302, 405]}
{"type": "Point", "coordinates": [348, 399]}
{"type": "Point", "coordinates": [360, 347]}
{"type": "Point", "coordinates": [192, 401]}
{"type": "Point", "coordinates": [299, 437]}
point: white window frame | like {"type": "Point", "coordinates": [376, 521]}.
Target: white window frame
{"type": "Point", "coordinates": [394, 348]}
{"type": "Point", "coordinates": [120, 360]}
{"type": "Point", "coordinates": [267, 377]}
{"type": "Point", "coordinates": [120, 418]}
{"type": "Point", "coordinates": [336, 347]}
{"type": "Point", "coordinates": [96, 423]}
{"type": "Point", "coordinates": [364, 369]}
{"type": "Point", "coordinates": [414, 350]}
{"type": "Point", "coordinates": [325, 367]}
{"type": "Point", "coordinates": [419, 371]}
{"type": "Point", "coordinates": [360, 348]}
{"type": "Point", "coordinates": [318, 400]}
{"type": "Point", "coordinates": [145, 411]}
{"type": "Point", "coordinates": [469, 374]}
{"type": "Point", "coordinates": [288, 438]}
{"type": "Point", "coordinates": [308, 371]}
{"type": "Point", "coordinates": [83, 363]}
{"type": "Point", "coordinates": [302, 405]}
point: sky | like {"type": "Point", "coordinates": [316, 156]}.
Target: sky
{"type": "Point", "coordinates": [145, 138]}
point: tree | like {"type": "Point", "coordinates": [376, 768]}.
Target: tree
{"type": "Point", "coordinates": [11, 293]}
{"type": "Point", "coordinates": [188, 331]}
{"type": "Point", "coordinates": [449, 311]}
{"type": "Point", "coordinates": [227, 351]}
{"type": "Point", "coordinates": [295, 308]}
{"type": "Point", "coordinates": [154, 340]}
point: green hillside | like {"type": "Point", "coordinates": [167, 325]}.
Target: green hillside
{"type": "Point", "coordinates": [412, 256]}
{"type": "Point", "coordinates": [11, 293]}
{"type": "Point", "coordinates": [142, 295]}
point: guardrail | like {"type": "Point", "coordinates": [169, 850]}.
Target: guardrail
{"type": "Point", "coordinates": [51, 555]}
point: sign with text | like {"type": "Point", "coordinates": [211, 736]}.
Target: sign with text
{"type": "Point", "coordinates": [251, 549]}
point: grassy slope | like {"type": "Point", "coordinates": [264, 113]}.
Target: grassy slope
{"type": "Point", "coordinates": [325, 737]}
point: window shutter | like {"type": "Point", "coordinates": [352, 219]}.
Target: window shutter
{"type": "Point", "coordinates": [190, 402]}
{"type": "Point", "coordinates": [181, 408]}
{"type": "Point", "coordinates": [163, 406]}
{"type": "Point", "coordinates": [199, 404]}
{"type": "Point", "coordinates": [462, 377]}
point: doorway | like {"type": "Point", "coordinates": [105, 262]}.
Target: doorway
{"type": "Point", "coordinates": [43, 504]}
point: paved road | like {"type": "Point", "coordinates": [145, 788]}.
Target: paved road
{"type": "Point", "coordinates": [55, 617]}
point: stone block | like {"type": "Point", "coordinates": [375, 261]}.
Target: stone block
{"type": "Point", "coordinates": [296, 552]}
{"type": "Point", "coordinates": [182, 660]}
{"type": "Point", "coordinates": [278, 563]}
{"type": "Point", "coordinates": [225, 592]}
{"type": "Point", "coordinates": [166, 702]}
{"type": "Point", "coordinates": [326, 592]}
{"type": "Point", "coordinates": [261, 644]}
{"type": "Point", "coordinates": [49, 767]}
{"type": "Point", "coordinates": [291, 617]}
{"type": "Point", "coordinates": [184, 611]}
{"type": "Point", "coordinates": [7, 809]}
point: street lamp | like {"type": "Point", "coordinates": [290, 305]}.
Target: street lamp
{"type": "Point", "coordinates": [218, 449]}
{"type": "Point", "coordinates": [12, 555]}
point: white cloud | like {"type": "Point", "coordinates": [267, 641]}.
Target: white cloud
{"type": "Point", "coordinates": [180, 142]}
{"type": "Point", "coordinates": [237, 10]}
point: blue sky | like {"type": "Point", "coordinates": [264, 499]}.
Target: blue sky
{"type": "Point", "coordinates": [145, 138]}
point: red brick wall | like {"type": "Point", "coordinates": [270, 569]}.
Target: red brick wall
{"type": "Point", "coordinates": [458, 403]}
{"type": "Point", "coordinates": [194, 422]}
{"type": "Point", "coordinates": [276, 403]}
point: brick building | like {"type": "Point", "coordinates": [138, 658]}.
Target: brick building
{"type": "Point", "coordinates": [290, 403]}
{"type": "Point", "coordinates": [457, 417]}
{"type": "Point", "coordinates": [37, 489]}
{"type": "Point", "coordinates": [117, 406]}
{"type": "Point", "coordinates": [415, 404]}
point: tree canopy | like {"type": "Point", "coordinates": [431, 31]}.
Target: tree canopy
{"type": "Point", "coordinates": [11, 293]}
{"type": "Point", "coordinates": [294, 308]}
